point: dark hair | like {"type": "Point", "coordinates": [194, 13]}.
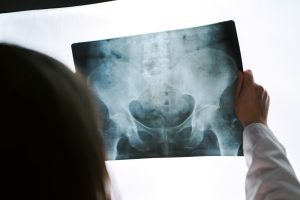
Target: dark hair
{"type": "Point", "coordinates": [49, 138]}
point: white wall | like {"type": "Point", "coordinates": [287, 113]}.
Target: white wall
{"type": "Point", "coordinates": [268, 32]}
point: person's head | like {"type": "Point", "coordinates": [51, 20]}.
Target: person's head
{"type": "Point", "coordinates": [49, 135]}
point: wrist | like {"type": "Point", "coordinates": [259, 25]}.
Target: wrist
{"type": "Point", "coordinates": [247, 123]}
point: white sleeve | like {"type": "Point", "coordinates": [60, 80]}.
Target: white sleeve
{"type": "Point", "coordinates": [270, 175]}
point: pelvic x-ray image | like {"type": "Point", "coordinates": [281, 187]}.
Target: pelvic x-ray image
{"type": "Point", "coordinates": [166, 94]}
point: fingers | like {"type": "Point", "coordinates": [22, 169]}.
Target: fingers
{"type": "Point", "coordinates": [264, 96]}
{"type": "Point", "coordinates": [268, 103]}
{"type": "Point", "coordinates": [239, 84]}
{"type": "Point", "coordinates": [248, 79]}
{"type": "Point", "coordinates": [259, 89]}
{"type": "Point", "coordinates": [268, 100]}
{"type": "Point", "coordinates": [245, 79]}
{"type": "Point", "coordinates": [265, 101]}
{"type": "Point", "coordinates": [251, 100]}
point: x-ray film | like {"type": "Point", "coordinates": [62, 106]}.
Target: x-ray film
{"type": "Point", "coordinates": [166, 94]}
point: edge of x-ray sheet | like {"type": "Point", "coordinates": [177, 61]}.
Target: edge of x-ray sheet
{"type": "Point", "coordinates": [268, 35]}
{"type": "Point", "coordinates": [166, 94]}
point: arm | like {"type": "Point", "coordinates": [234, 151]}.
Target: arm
{"type": "Point", "coordinates": [270, 175]}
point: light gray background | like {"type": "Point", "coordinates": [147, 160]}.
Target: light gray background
{"type": "Point", "coordinates": [268, 32]}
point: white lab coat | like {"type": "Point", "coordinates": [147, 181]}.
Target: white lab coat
{"type": "Point", "coordinates": [270, 175]}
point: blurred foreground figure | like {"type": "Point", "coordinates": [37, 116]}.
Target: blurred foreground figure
{"type": "Point", "coordinates": [270, 175]}
{"type": "Point", "coordinates": [49, 141]}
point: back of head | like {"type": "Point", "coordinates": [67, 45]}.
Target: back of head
{"type": "Point", "coordinates": [50, 146]}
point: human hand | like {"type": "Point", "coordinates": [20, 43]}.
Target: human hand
{"type": "Point", "coordinates": [251, 100]}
